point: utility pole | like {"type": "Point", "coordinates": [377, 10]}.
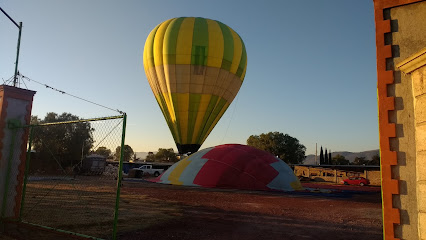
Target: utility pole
{"type": "Point", "coordinates": [316, 151]}
{"type": "Point", "coordinates": [15, 78]}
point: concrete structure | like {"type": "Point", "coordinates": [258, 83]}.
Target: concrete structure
{"type": "Point", "coordinates": [415, 66]}
{"type": "Point", "coordinates": [336, 173]}
{"type": "Point", "coordinates": [400, 32]}
{"type": "Point", "coordinates": [15, 110]}
{"type": "Point", "coordinates": [93, 164]}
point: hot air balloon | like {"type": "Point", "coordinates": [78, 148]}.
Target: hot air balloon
{"type": "Point", "coordinates": [232, 166]}
{"type": "Point", "coordinates": [195, 67]}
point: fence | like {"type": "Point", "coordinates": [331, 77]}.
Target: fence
{"type": "Point", "coordinates": [333, 174]}
{"type": "Point", "coordinates": [73, 176]}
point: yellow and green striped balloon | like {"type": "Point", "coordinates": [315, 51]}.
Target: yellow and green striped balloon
{"type": "Point", "coordinates": [195, 67]}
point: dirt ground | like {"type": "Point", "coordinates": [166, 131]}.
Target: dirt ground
{"type": "Point", "coordinates": [226, 214]}
{"type": "Point", "coordinates": [230, 214]}
{"type": "Point", "coordinates": [157, 211]}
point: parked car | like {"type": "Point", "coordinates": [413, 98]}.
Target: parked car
{"type": "Point", "coordinates": [304, 179]}
{"type": "Point", "coordinates": [356, 181]}
{"type": "Point", "coordinates": [150, 170]}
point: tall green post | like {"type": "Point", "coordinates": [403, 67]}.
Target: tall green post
{"type": "Point", "coordinates": [15, 79]}
{"type": "Point", "coordinates": [119, 178]}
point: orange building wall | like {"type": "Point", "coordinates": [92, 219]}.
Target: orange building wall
{"type": "Point", "coordinates": [397, 36]}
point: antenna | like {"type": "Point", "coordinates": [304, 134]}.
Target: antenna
{"type": "Point", "coordinates": [15, 78]}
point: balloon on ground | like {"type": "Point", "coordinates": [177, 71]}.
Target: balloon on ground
{"type": "Point", "coordinates": [232, 166]}
{"type": "Point", "coordinates": [195, 67]}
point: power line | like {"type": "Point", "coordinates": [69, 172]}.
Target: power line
{"type": "Point", "coordinates": [8, 81]}
{"type": "Point", "coordinates": [63, 92]}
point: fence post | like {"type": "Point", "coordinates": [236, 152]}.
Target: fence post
{"type": "Point", "coordinates": [120, 175]}
{"type": "Point", "coordinates": [27, 168]}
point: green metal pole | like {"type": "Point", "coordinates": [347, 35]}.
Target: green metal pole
{"type": "Point", "coordinates": [76, 121]}
{"type": "Point", "coordinates": [9, 168]}
{"type": "Point", "coordinates": [15, 79]}
{"type": "Point", "coordinates": [120, 175]}
{"type": "Point", "coordinates": [27, 168]}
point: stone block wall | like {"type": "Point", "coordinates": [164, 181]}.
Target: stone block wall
{"type": "Point", "coordinates": [415, 67]}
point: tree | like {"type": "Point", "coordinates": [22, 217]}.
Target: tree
{"type": "Point", "coordinates": [329, 157]}
{"type": "Point", "coordinates": [35, 120]}
{"type": "Point", "coordinates": [103, 151]}
{"type": "Point", "coordinates": [128, 152]}
{"type": "Point", "coordinates": [168, 155]}
{"type": "Point", "coordinates": [360, 161]}
{"type": "Point", "coordinates": [321, 157]}
{"type": "Point", "coordinates": [282, 145]}
{"type": "Point", "coordinates": [375, 160]}
{"type": "Point", "coordinates": [64, 144]}
{"type": "Point", "coordinates": [339, 160]}
{"type": "Point", "coordinates": [326, 157]}
{"type": "Point", "coordinates": [150, 157]}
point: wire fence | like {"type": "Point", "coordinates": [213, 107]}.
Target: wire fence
{"type": "Point", "coordinates": [73, 176]}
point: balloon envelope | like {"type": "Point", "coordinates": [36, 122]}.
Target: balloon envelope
{"type": "Point", "coordinates": [195, 67]}
{"type": "Point", "coordinates": [232, 166]}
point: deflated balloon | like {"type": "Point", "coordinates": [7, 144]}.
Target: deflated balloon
{"type": "Point", "coordinates": [232, 166]}
{"type": "Point", "coordinates": [195, 67]}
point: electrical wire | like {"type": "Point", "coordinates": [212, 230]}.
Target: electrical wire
{"type": "Point", "coordinates": [24, 84]}
{"type": "Point", "coordinates": [63, 92]}
{"type": "Point", "coordinates": [8, 81]}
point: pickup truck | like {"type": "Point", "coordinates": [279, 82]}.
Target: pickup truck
{"type": "Point", "coordinates": [148, 169]}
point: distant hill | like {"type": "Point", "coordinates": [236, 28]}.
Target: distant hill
{"type": "Point", "coordinates": [310, 159]}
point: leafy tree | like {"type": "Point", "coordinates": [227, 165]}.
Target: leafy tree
{"type": "Point", "coordinates": [282, 145]}
{"type": "Point", "coordinates": [339, 160]}
{"type": "Point", "coordinates": [103, 151]}
{"type": "Point", "coordinates": [128, 152]}
{"type": "Point", "coordinates": [35, 120]}
{"type": "Point", "coordinates": [321, 157]}
{"type": "Point", "coordinates": [360, 161]}
{"type": "Point", "coordinates": [150, 157]}
{"type": "Point", "coordinates": [375, 160]}
{"type": "Point", "coordinates": [63, 144]}
{"type": "Point", "coordinates": [326, 157]}
{"type": "Point", "coordinates": [166, 155]}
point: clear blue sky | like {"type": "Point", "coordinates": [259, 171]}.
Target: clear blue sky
{"type": "Point", "coordinates": [311, 66]}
